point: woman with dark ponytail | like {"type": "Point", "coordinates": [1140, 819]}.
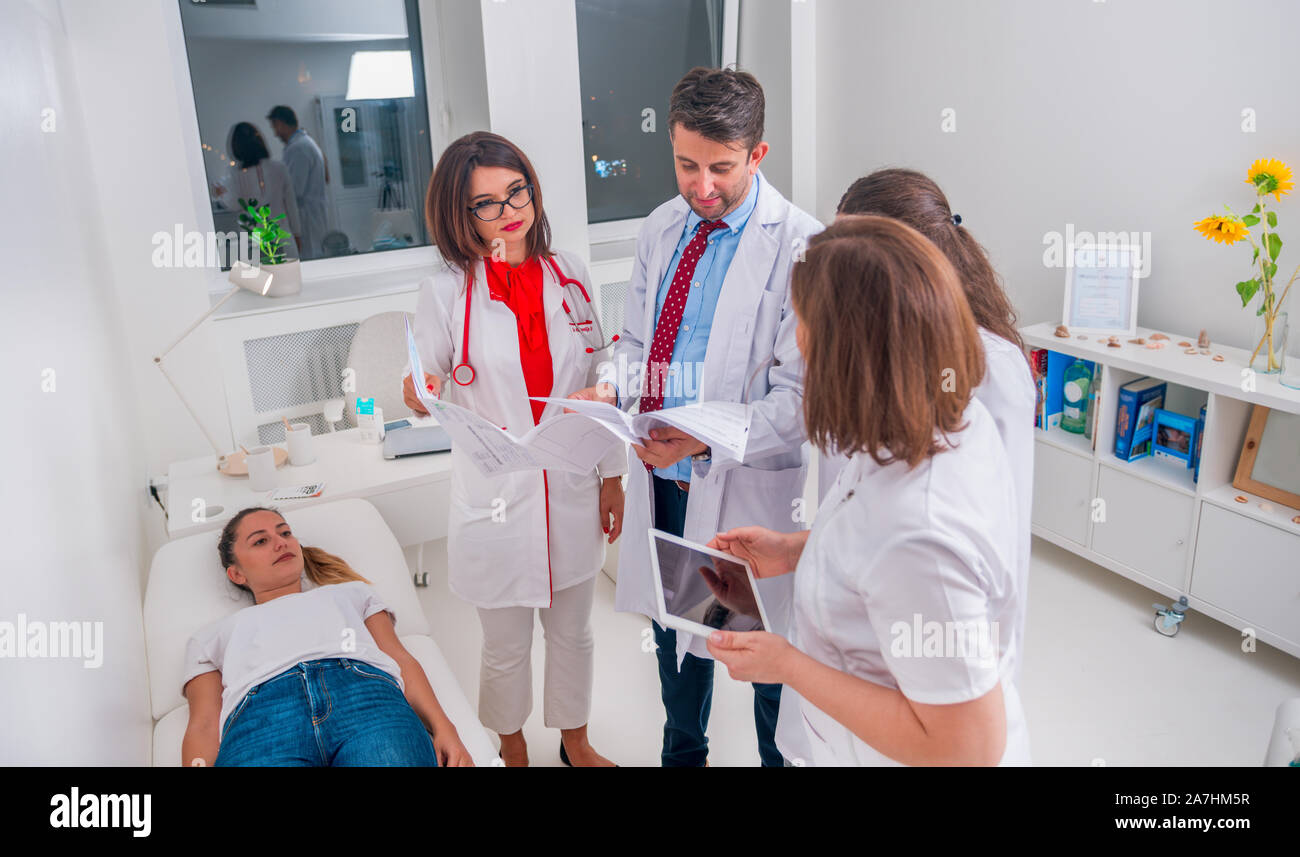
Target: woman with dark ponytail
{"type": "Point", "coordinates": [1007, 389]}
{"type": "Point", "coordinates": [306, 676]}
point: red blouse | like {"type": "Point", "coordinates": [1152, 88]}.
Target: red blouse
{"type": "Point", "coordinates": [521, 289]}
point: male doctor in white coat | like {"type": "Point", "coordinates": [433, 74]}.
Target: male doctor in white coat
{"type": "Point", "coordinates": [708, 315]}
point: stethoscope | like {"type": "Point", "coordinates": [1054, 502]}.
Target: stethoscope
{"type": "Point", "coordinates": [463, 373]}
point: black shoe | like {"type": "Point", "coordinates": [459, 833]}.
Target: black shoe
{"type": "Point", "coordinates": [564, 756]}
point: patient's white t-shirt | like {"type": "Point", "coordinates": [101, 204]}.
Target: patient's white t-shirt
{"type": "Point", "coordinates": [263, 640]}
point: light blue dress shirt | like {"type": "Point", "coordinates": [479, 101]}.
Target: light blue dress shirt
{"type": "Point", "coordinates": [682, 385]}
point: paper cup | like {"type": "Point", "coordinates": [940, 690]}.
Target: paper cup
{"type": "Point", "coordinates": [261, 468]}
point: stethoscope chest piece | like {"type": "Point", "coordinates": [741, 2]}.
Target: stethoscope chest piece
{"type": "Point", "coordinates": [463, 374]}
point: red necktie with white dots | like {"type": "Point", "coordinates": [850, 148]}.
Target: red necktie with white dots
{"type": "Point", "coordinates": [670, 319]}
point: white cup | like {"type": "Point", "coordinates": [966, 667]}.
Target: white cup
{"type": "Point", "coordinates": [261, 468]}
{"type": "Point", "coordinates": [300, 444]}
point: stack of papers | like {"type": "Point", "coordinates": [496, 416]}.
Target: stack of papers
{"type": "Point", "coordinates": [575, 442]}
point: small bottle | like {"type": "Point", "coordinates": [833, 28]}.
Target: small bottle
{"type": "Point", "coordinates": [1074, 414]}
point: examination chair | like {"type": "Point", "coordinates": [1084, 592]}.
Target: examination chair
{"type": "Point", "coordinates": [188, 589]}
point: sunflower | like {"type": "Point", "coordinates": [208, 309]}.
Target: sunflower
{"type": "Point", "coordinates": [1270, 176]}
{"type": "Point", "coordinates": [1224, 228]}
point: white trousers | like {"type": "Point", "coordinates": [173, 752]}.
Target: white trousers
{"type": "Point", "coordinates": [505, 691]}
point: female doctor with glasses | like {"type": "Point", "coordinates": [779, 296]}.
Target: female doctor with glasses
{"type": "Point", "coordinates": [501, 320]}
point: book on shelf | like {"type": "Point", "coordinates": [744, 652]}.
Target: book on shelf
{"type": "Point", "coordinates": [1135, 417]}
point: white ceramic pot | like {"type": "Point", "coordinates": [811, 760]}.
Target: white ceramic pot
{"type": "Point", "coordinates": [286, 279]}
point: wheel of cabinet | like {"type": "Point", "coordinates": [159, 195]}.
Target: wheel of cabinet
{"type": "Point", "coordinates": [1170, 630]}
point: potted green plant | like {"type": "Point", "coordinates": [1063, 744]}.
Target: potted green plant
{"type": "Point", "coordinates": [273, 245]}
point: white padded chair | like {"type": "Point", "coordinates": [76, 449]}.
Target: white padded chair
{"type": "Point", "coordinates": [379, 361]}
{"type": "Point", "coordinates": [188, 590]}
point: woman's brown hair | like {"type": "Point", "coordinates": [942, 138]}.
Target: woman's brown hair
{"type": "Point", "coordinates": [446, 205]}
{"type": "Point", "coordinates": [321, 567]}
{"type": "Point", "coordinates": [891, 349]}
{"type": "Point", "coordinates": [916, 200]}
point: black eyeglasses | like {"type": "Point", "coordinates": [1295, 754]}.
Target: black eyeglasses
{"type": "Point", "coordinates": [489, 211]}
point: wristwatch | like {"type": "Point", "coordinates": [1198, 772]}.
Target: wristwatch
{"type": "Point", "coordinates": [706, 455]}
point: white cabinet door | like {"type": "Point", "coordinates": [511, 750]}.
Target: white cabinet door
{"type": "Point", "coordinates": [1147, 527]}
{"type": "Point", "coordinates": [1250, 569]}
{"type": "Point", "coordinates": [1062, 485]}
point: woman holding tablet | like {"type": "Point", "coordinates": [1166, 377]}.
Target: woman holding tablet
{"type": "Point", "coordinates": [504, 319]}
{"type": "Point", "coordinates": [908, 573]}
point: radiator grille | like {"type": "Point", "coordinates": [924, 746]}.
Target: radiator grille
{"type": "Point", "coordinates": [292, 369]}
{"type": "Point", "coordinates": [611, 307]}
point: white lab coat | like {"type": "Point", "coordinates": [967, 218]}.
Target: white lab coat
{"type": "Point", "coordinates": [498, 526]}
{"type": "Point", "coordinates": [889, 545]}
{"type": "Point", "coordinates": [751, 357]}
{"type": "Point", "coordinates": [306, 166]}
{"type": "Point", "coordinates": [1009, 395]}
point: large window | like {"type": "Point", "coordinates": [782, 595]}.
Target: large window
{"type": "Point", "coordinates": [630, 55]}
{"type": "Point", "coordinates": [316, 108]}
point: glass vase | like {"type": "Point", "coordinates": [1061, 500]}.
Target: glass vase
{"type": "Point", "coordinates": [1270, 357]}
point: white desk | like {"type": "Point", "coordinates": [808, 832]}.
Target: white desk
{"type": "Point", "coordinates": [411, 493]}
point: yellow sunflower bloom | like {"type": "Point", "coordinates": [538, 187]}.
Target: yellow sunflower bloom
{"type": "Point", "coordinates": [1225, 230]}
{"type": "Point", "coordinates": [1271, 176]}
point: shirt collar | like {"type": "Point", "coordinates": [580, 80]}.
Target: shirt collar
{"type": "Point", "coordinates": [737, 219]}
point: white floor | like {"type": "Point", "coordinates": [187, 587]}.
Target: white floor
{"type": "Point", "coordinates": [1100, 686]}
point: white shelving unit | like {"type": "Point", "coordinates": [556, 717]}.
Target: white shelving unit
{"type": "Point", "coordinates": [1236, 562]}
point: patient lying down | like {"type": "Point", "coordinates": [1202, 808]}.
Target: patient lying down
{"type": "Point", "coordinates": [313, 677]}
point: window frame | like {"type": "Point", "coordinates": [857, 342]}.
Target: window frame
{"type": "Point", "coordinates": [328, 268]}
{"type": "Point", "coordinates": [617, 231]}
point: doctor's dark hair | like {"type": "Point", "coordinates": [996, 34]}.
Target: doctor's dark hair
{"type": "Point", "coordinates": [724, 105]}
{"type": "Point", "coordinates": [446, 205]}
{"type": "Point", "coordinates": [247, 144]}
{"type": "Point", "coordinates": [891, 349]}
{"type": "Point", "coordinates": [916, 200]}
{"type": "Point", "coordinates": [320, 566]}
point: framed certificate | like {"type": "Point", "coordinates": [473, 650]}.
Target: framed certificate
{"type": "Point", "coordinates": [1101, 288]}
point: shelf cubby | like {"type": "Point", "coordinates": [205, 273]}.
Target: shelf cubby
{"type": "Point", "coordinates": [1238, 562]}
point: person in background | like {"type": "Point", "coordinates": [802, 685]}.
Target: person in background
{"type": "Point", "coordinates": [708, 316]}
{"type": "Point", "coordinates": [916, 541]}
{"type": "Point", "coordinates": [306, 165]}
{"type": "Point", "coordinates": [257, 177]}
{"type": "Point", "coordinates": [525, 542]}
{"type": "Point", "coordinates": [1008, 390]}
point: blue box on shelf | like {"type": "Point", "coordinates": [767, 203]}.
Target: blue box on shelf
{"type": "Point", "coordinates": [1175, 436]}
{"type": "Point", "coordinates": [1135, 417]}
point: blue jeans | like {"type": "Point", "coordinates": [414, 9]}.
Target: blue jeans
{"type": "Point", "coordinates": [688, 694]}
{"type": "Point", "coordinates": [335, 712]}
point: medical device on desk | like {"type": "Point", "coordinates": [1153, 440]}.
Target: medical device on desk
{"type": "Point", "coordinates": [463, 373]}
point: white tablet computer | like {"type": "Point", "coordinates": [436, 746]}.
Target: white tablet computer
{"type": "Point", "coordinates": [701, 590]}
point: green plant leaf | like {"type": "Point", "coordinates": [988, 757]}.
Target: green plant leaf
{"type": "Point", "coordinates": [1274, 245]}
{"type": "Point", "coordinates": [1272, 219]}
{"type": "Point", "coordinates": [1272, 270]}
{"type": "Point", "coordinates": [1256, 208]}
{"type": "Point", "coordinates": [1255, 258]}
{"type": "Point", "coordinates": [1247, 289]}
{"type": "Point", "coordinates": [1250, 220]}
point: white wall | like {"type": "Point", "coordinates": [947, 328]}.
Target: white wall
{"type": "Point", "coordinates": [531, 50]}
{"type": "Point", "coordinates": [139, 166]}
{"type": "Point", "coordinates": [72, 499]}
{"type": "Point", "coordinates": [1116, 116]}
